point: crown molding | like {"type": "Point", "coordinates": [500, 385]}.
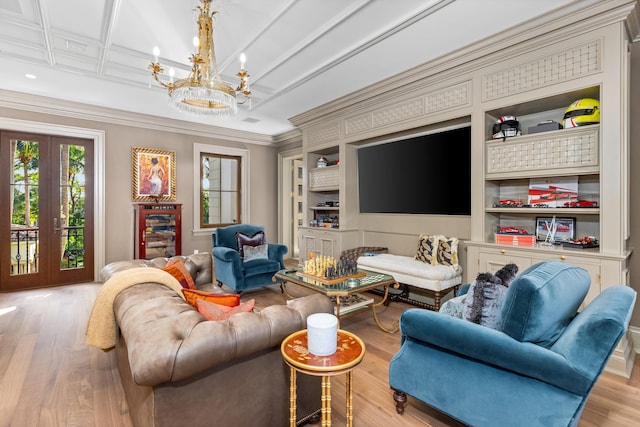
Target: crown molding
{"type": "Point", "coordinates": [579, 17]}
{"type": "Point", "coordinates": [57, 107]}
{"type": "Point", "coordinates": [290, 137]}
{"type": "Point", "coordinates": [633, 23]}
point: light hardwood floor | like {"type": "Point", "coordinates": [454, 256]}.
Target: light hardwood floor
{"type": "Point", "coordinates": [49, 377]}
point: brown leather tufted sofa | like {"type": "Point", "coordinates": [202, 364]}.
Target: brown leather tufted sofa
{"type": "Point", "coordinates": [177, 368]}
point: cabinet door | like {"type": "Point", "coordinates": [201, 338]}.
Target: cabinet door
{"type": "Point", "coordinates": [327, 246]}
{"type": "Point", "coordinates": [494, 261]}
{"type": "Point", "coordinates": [307, 245]}
{"type": "Point", "coordinates": [159, 231]}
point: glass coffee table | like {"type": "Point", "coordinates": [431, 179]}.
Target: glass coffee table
{"type": "Point", "coordinates": [346, 291]}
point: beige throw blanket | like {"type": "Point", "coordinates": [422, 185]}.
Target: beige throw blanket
{"type": "Point", "coordinates": [102, 327]}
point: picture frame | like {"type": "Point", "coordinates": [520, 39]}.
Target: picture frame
{"type": "Point", "coordinates": [153, 175]}
{"type": "Point", "coordinates": [565, 231]}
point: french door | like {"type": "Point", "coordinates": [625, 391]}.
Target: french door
{"type": "Point", "coordinates": [46, 210]}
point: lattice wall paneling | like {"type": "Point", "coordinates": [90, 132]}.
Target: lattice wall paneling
{"type": "Point", "coordinates": [561, 150]}
{"type": "Point", "coordinates": [359, 124]}
{"type": "Point", "coordinates": [432, 103]}
{"type": "Point", "coordinates": [327, 133]}
{"type": "Point", "coordinates": [324, 177]}
{"type": "Point", "coordinates": [573, 63]}
{"type": "Point", "coordinates": [453, 97]}
{"type": "Point", "coordinates": [399, 113]}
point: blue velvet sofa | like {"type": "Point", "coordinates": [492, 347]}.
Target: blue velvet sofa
{"type": "Point", "coordinates": [538, 370]}
{"type": "Point", "coordinates": [238, 274]}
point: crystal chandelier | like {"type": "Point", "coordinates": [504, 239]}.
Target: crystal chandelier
{"type": "Point", "coordinates": [204, 92]}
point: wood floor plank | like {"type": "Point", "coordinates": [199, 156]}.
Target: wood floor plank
{"type": "Point", "coordinates": [49, 377]}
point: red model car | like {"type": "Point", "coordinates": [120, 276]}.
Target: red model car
{"type": "Point", "coordinates": [509, 203]}
{"type": "Point", "coordinates": [512, 230]}
{"type": "Point", "coordinates": [581, 204]}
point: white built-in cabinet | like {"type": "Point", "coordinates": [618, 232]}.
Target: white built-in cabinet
{"type": "Point", "coordinates": [534, 72]}
{"type": "Point", "coordinates": [324, 232]}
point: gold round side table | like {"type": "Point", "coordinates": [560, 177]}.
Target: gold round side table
{"type": "Point", "coordinates": [349, 353]}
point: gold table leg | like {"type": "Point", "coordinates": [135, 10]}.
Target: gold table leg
{"type": "Point", "coordinates": [283, 288]}
{"type": "Point", "coordinates": [326, 401]}
{"type": "Point", "coordinates": [350, 399]}
{"type": "Point", "coordinates": [395, 325]}
{"type": "Point", "coordinates": [292, 397]}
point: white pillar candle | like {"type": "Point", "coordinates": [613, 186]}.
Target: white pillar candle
{"type": "Point", "coordinates": [322, 334]}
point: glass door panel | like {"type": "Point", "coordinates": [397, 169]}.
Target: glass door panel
{"type": "Point", "coordinates": [24, 212]}
{"type": "Point", "coordinates": [71, 227]}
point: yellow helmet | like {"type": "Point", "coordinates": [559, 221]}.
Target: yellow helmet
{"type": "Point", "coordinates": [585, 111]}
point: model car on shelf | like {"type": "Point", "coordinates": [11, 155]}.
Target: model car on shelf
{"type": "Point", "coordinates": [581, 204]}
{"type": "Point", "coordinates": [535, 205]}
{"type": "Point", "coordinates": [512, 230]}
{"type": "Point", "coordinates": [583, 243]}
{"type": "Point", "coordinates": [508, 203]}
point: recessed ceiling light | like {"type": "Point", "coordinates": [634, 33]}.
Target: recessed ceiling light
{"type": "Point", "coordinates": [30, 76]}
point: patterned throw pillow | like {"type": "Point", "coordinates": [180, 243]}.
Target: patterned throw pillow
{"type": "Point", "coordinates": [177, 269]}
{"type": "Point", "coordinates": [447, 250]}
{"type": "Point", "coordinates": [255, 252]}
{"type": "Point", "coordinates": [216, 312]}
{"type": "Point", "coordinates": [193, 295]}
{"type": "Point", "coordinates": [427, 249]}
{"type": "Point", "coordinates": [243, 240]}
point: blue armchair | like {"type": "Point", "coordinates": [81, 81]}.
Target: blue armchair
{"type": "Point", "coordinates": [537, 371]}
{"type": "Point", "coordinates": [237, 273]}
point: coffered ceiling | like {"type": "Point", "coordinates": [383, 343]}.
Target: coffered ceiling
{"type": "Point", "coordinates": [300, 53]}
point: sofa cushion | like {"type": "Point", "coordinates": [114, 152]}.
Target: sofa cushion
{"type": "Point", "coordinates": [541, 302]}
{"type": "Point", "coordinates": [177, 269]}
{"type": "Point", "coordinates": [193, 295]}
{"type": "Point", "coordinates": [260, 266]}
{"type": "Point", "coordinates": [484, 301]}
{"type": "Point", "coordinates": [486, 295]}
{"type": "Point", "coordinates": [255, 252]}
{"type": "Point", "coordinates": [216, 312]}
{"type": "Point", "coordinates": [243, 240]}
{"type": "Point", "coordinates": [427, 251]}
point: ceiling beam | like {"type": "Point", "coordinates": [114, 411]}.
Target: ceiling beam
{"type": "Point", "coordinates": [385, 34]}
{"type": "Point", "coordinates": [111, 11]}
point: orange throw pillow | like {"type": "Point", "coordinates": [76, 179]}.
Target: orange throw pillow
{"type": "Point", "coordinates": [214, 311]}
{"type": "Point", "coordinates": [193, 295]}
{"type": "Point", "coordinates": [177, 269]}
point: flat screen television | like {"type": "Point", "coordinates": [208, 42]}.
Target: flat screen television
{"type": "Point", "coordinates": [427, 174]}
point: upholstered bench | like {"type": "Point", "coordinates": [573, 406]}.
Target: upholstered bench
{"type": "Point", "coordinates": [436, 281]}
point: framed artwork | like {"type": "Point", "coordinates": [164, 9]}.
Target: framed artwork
{"type": "Point", "coordinates": [153, 175]}
{"type": "Point", "coordinates": [558, 192]}
{"type": "Point", "coordinates": [565, 228]}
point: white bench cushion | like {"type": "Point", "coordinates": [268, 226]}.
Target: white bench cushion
{"type": "Point", "coordinates": [413, 272]}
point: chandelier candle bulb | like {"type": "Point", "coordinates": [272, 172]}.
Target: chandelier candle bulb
{"type": "Point", "coordinates": [322, 334]}
{"type": "Point", "coordinates": [156, 53]}
{"type": "Point", "coordinates": [243, 59]}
